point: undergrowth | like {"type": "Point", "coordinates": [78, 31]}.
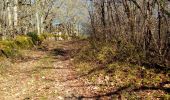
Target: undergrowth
{"type": "Point", "coordinates": [12, 47]}
{"type": "Point", "coordinates": [111, 67]}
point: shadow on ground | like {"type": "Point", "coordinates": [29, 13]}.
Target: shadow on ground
{"type": "Point", "coordinates": [118, 92]}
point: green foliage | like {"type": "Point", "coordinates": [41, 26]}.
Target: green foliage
{"type": "Point", "coordinates": [106, 54]}
{"type": "Point", "coordinates": [64, 36]}
{"type": "Point", "coordinates": [10, 52]}
{"type": "Point", "coordinates": [45, 36]}
{"type": "Point", "coordinates": [23, 42]}
{"type": "Point", "coordinates": [35, 38]}
{"type": "Point", "coordinates": [109, 52]}
{"type": "Point", "coordinates": [9, 48]}
{"type": "Point", "coordinates": [8, 44]}
{"type": "Point", "coordinates": [166, 97]}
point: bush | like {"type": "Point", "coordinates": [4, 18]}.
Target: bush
{"type": "Point", "coordinates": [23, 42]}
{"type": "Point", "coordinates": [8, 43]}
{"type": "Point", "coordinates": [44, 36]}
{"type": "Point", "coordinates": [10, 52]}
{"type": "Point", "coordinates": [8, 48]}
{"type": "Point", "coordinates": [103, 54]}
{"type": "Point", "coordinates": [35, 38]}
{"type": "Point", "coordinates": [64, 36]}
{"type": "Point", "coordinates": [129, 53]}
{"type": "Point", "coordinates": [106, 54]}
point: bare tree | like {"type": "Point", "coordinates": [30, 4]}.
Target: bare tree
{"type": "Point", "coordinates": [141, 23]}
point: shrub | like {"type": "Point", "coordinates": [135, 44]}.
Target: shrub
{"type": "Point", "coordinates": [8, 48]}
{"type": "Point", "coordinates": [8, 43]}
{"type": "Point", "coordinates": [44, 36]}
{"type": "Point", "coordinates": [64, 36]}
{"type": "Point", "coordinates": [10, 52]}
{"type": "Point", "coordinates": [35, 38]}
{"type": "Point", "coordinates": [129, 53]}
{"type": "Point", "coordinates": [23, 42]}
{"type": "Point", "coordinates": [106, 54]}
{"type": "Point", "coordinates": [87, 53]}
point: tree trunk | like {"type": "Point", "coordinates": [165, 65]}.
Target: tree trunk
{"type": "Point", "coordinates": [16, 16]}
{"type": "Point", "coordinates": [42, 24]}
{"type": "Point", "coordinates": [15, 13]}
{"type": "Point", "coordinates": [38, 19]}
{"type": "Point", "coordinates": [9, 14]}
{"type": "Point", "coordinates": [38, 23]}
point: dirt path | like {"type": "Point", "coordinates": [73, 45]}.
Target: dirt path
{"type": "Point", "coordinates": [43, 75]}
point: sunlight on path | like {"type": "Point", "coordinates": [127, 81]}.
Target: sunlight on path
{"type": "Point", "coordinates": [41, 77]}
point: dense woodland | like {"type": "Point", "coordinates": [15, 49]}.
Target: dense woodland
{"type": "Point", "coordinates": [139, 29]}
{"type": "Point", "coordinates": [85, 49]}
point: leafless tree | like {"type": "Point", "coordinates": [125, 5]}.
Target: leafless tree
{"type": "Point", "coordinates": [141, 23]}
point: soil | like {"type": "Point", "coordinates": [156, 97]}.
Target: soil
{"type": "Point", "coordinates": [44, 74]}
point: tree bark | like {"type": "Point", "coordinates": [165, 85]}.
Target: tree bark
{"type": "Point", "coordinates": [38, 19]}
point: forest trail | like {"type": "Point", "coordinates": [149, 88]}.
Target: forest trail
{"type": "Point", "coordinates": [44, 75]}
